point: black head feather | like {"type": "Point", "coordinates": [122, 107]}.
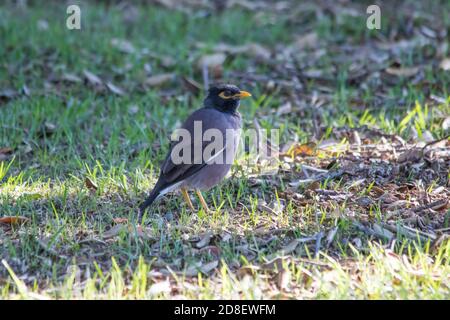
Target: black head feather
{"type": "Point", "coordinates": [223, 98]}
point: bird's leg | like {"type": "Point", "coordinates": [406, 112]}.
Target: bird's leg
{"type": "Point", "coordinates": [202, 200]}
{"type": "Point", "coordinates": [187, 199]}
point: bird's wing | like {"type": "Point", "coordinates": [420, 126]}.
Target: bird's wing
{"type": "Point", "coordinates": [175, 172]}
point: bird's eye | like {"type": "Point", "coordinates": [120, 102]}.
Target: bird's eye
{"type": "Point", "coordinates": [225, 94]}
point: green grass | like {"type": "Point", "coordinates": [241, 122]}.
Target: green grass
{"type": "Point", "coordinates": [65, 132]}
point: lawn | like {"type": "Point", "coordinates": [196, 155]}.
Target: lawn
{"type": "Point", "coordinates": [357, 208]}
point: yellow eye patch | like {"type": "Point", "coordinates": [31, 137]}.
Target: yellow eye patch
{"type": "Point", "coordinates": [224, 95]}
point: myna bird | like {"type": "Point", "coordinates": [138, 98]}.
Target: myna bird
{"type": "Point", "coordinates": [202, 172]}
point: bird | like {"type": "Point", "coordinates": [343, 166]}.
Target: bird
{"type": "Point", "coordinates": [200, 171]}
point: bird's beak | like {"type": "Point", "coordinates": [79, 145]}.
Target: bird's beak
{"type": "Point", "coordinates": [243, 94]}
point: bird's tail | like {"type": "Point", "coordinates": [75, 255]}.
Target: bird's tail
{"type": "Point", "coordinates": [151, 198]}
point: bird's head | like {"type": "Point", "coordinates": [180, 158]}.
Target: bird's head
{"type": "Point", "coordinates": [225, 97]}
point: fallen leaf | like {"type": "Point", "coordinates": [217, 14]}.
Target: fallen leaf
{"type": "Point", "coordinates": [283, 279]}
{"type": "Point", "coordinates": [114, 231]}
{"type": "Point", "coordinates": [123, 45]}
{"type": "Point", "coordinates": [92, 78]}
{"type": "Point", "coordinates": [411, 155]}
{"type": "Point", "coordinates": [115, 89]}
{"type": "Point", "coordinates": [445, 64]}
{"type": "Point", "coordinates": [213, 250]}
{"type": "Point", "coordinates": [8, 94]}
{"type": "Point", "coordinates": [306, 149]}
{"type": "Point", "coordinates": [254, 50]}
{"type": "Point", "coordinates": [305, 41]}
{"type": "Point", "coordinates": [10, 220]}
{"type": "Point", "coordinates": [211, 61]}
{"type": "Point", "coordinates": [120, 220]}
{"type": "Point", "coordinates": [91, 185]}
{"type": "Point", "coordinates": [257, 51]}
{"type": "Point", "coordinates": [207, 268]}
{"type": "Point", "coordinates": [5, 151]}
{"type": "Point", "coordinates": [70, 77]}
{"type": "Point", "coordinates": [402, 71]}
{"type": "Point", "coordinates": [290, 247]}
{"type": "Point", "coordinates": [193, 86]}
{"type": "Point", "coordinates": [159, 79]}
{"type": "Point", "coordinates": [446, 124]}
{"type": "Point", "coordinates": [204, 241]}
{"type": "Point", "coordinates": [159, 288]}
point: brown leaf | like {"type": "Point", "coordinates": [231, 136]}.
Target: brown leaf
{"type": "Point", "coordinates": [283, 279]}
{"type": "Point", "coordinates": [306, 149]}
{"type": "Point", "coordinates": [10, 220]}
{"type": "Point", "coordinates": [90, 184]}
{"type": "Point", "coordinates": [212, 250]}
{"type": "Point", "coordinates": [5, 151]}
{"type": "Point", "coordinates": [114, 231]}
{"type": "Point", "coordinates": [411, 155]}
{"type": "Point", "coordinates": [120, 220]}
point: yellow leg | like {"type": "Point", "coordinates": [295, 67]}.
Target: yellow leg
{"type": "Point", "coordinates": [187, 199]}
{"type": "Point", "coordinates": [202, 201]}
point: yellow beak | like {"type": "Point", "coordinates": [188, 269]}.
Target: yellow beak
{"type": "Point", "coordinates": [243, 94]}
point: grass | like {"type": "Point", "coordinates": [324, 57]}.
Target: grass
{"type": "Point", "coordinates": [65, 132]}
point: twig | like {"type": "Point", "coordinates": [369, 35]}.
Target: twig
{"type": "Point", "coordinates": [435, 141]}
{"type": "Point", "coordinates": [430, 205]}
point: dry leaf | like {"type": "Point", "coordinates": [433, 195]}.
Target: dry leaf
{"type": "Point", "coordinates": [306, 149]}
{"type": "Point", "coordinates": [305, 41]}
{"type": "Point", "coordinates": [204, 241]}
{"type": "Point", "coordinates": [114, 231]}
{"type": "Point", "coordinates": [159, 79]}
{"type": "Point", "coordinates": [412, 155]}
{"type": "Point", "coordinates": [90, 184]}
{"type": "Point", "coordinates": [115, 89]}
{"type": "Point", "coordinates": [123, 45]}
{"type": "Point", "coordinates": [254, 50]}
{"type": "Point", "coordinates": [283, 279]}
{"type": "Point", "coordinates": [70, 77]}
{"type": "Point", "coordinates": [159, 288]}
{"type": "Point", "coordinates": [257, 51]}
{"type": "Point", "coordinates": [193, 86]}
{"type": "Point", "coordinates": [211, 61]}
{"type": "Point", "coordinates": [9, 220]}
{"type": "Point", "coordinates": [207, 268]}
{"type": "Point", "coordinates": [445, 64]}
{"type": "Point", "coordinates": [92, 78]}
{"type": "Point", "coordinates": [291, 246]}
{"type": "Point", "coordinates": [8, 94]}
{"type": "Point", "coordinates": [402, 72]}
{"type": "Point", "coordinates": [120, 220]}
{"type": "Point", "coordinates": [5, 150]}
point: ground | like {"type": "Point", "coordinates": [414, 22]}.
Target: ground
{"type": "Point", "coordinates": [357, 207]}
